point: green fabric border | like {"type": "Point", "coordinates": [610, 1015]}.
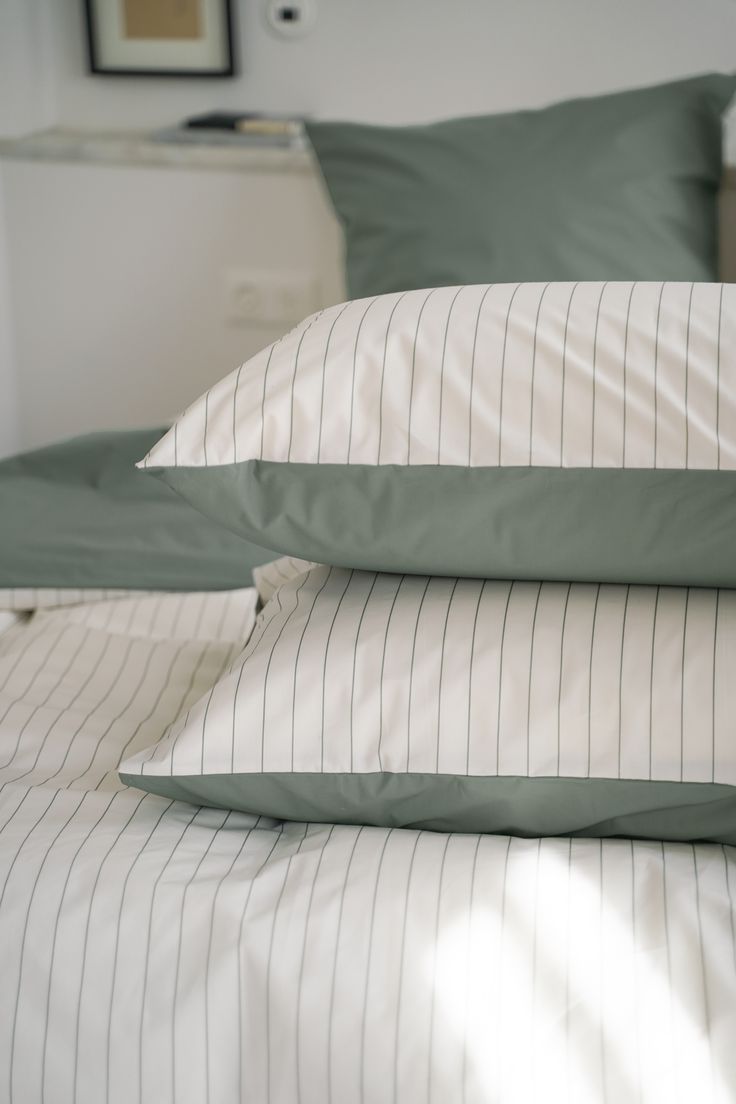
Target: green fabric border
{"type": "Point", "coordinates": [517, 806]}
{"type": "Point", "coordinates": [602, 525]}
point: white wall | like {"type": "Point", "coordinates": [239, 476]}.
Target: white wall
{"type": "Point", "coordinates": [119, 282]}
{"type": "Point", "coordinates": [10, 435]}
{"type": "Point", "coordinates": [405, 60]}
{"type": "Point", "coordinates": [26, 103]}
{"type": "Point", "coordinates": [114, 315]}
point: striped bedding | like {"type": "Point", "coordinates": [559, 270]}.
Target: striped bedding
{"type": "Point", "coordinates": [151, 951]}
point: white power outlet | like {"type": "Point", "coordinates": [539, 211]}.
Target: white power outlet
{"type": "Point", "coordinates": [270, 297]}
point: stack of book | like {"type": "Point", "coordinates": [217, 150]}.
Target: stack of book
{"type": "Point", "coordinates": [237, 128]}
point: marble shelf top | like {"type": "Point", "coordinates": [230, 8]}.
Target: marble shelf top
{"type": "Point", "coordinates": [137, 148]}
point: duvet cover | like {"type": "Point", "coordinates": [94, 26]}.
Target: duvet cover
{"type": "Point", "coordinates": [153, 951]}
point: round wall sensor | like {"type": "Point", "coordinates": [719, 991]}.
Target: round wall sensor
{"type": "Point", "coordinates": [290, 18]}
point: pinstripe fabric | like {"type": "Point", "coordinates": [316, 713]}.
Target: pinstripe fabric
{"type": "Point", "coordinates": [33, 598]}
{"type": "Point", "coordinates": [356, 672]}
{"type": "Point", "coordinates": [573, 375]}
{"type": "Point", "coordinates": [156, 953]}
{"type": "Point", "coordinates": [269, 577]}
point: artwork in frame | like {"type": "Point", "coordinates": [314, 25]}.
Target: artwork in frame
{"type": "Point", "coordinates": [160, 38]}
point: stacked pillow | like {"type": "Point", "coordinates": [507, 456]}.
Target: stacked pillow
{"type": "Point", "coordinates": [566, 431]}
{"type": "Point", "coordinates": [528, 497]}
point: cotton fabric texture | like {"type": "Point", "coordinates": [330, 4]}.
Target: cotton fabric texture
{"type": "Point", "coordinates": [155, 951]}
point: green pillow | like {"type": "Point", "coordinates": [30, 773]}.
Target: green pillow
{"type": "Point", "coordinates": [79, 514]}
{"type": "Point", "coordinates": [618, 187]}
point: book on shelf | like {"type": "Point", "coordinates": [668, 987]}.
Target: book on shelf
{"type": "Point", "coordinates": [236, 129]}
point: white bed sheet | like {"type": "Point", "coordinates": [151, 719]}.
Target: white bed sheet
{"type": "Point", "coordinates": [152, 951]}
{"type": "Point", "coordinates": [9, 618]}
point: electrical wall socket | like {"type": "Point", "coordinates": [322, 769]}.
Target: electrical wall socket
{"type": "Point", "coordinates": [291, 18]}
{"type": "Point", "coordinates": [270, 297]}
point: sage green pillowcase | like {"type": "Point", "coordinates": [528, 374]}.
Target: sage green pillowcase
{"type": "Point", "coordinates": [79, 514]}
{"type": "Point", "coordinates": [617, 187]}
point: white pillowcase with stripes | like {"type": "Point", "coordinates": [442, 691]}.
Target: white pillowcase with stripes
{"type": "Point", "coordinates": [463, 704]}
{"type": "Point", "coordinates": [562, 375]}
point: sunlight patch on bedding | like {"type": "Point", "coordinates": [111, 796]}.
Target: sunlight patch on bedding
{"type": "Point", "coordinates": [565, 993]}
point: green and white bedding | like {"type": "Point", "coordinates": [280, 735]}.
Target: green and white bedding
{"type": "Point", "coordinates": [156, 952]}
{"type": "Point", "coordinates": [470, 705]}
{"type": "Point", "coordinates": [561, 431]}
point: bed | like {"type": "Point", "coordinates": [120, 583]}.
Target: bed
{"type": "Point", "coordinates": [159, 951]}
{"type": "Point", "coordinates": [153, 950]}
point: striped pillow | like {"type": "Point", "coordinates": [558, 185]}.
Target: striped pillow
{"type": "Point", "coordinates": [470, 705]}
{"type": "Point", "coordinates": [531, 431]}
{"type": "Point", "coordinates": [267, 578]}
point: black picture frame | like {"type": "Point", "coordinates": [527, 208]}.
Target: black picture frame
{"type": "Point", "coordinates": [97, 67]}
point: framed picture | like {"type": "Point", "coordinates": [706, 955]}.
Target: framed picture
{"type": "Point", "coordinates": [160, 38]}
